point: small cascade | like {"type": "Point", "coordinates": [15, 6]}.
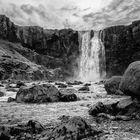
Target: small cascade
{"type": "Point", "coordinates": [92, 55]}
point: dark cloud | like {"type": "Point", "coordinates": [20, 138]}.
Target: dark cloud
{"type": "Point", "coordinates": [76, 15]}
{"type": "Point", "coordinates": [27, 8]}
{"type": "Point", "coordinates": [66, 8]}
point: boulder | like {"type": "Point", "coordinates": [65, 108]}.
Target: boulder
{"type": "Point", "coordinates": [112, 84]}
{"type": "Point", "coordinates": [84, 88]}
{"type": "Point", "coordinates": [10, 99]}
{"type": "Point", "coordinates": [61, 85]}
{"type": "Point", "coordinates": [123, 104]}
{"type": "Point", "coordinates": [21, 131]}
{"type": "Point", "coordinates": [130, 83]}
{"type": "Point", "coordinates": [68, 95]}
{"type": "Point", "coordinates": [100, 107]}
{"type": "Point", "coordinates": [75, 83]}
{"type": "Point", "coordinates": [38, 94]}
{"type": "Point", "coordinates": [35, 126]}
{"type": "Point", "coordinates": [1, 94]}
{"type": "Point", "coordinates": [87, 84]}
{"type": "Point", "coordinates": [44, 93]}
{"type": "Point", "coordinates": [4, 133]}
{"type": "Point", "coordinates": [75, 128]}
{"type": "Point", "coordinates": [124, 109]}
{"type": "Point", "coordinates": [19, 84]}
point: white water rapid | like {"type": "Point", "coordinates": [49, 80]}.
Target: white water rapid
{"type": "Point", "coordinates": [92, 57]}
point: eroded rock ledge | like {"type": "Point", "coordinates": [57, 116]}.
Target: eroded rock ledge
{"type": "Point", "coordinates": [49, 48]}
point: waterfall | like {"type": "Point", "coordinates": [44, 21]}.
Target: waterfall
{"type": "Point", "coordinates": [92, 55]}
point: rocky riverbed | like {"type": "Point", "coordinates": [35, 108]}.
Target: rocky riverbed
{"type": "Point", "coordinates": [51, 114]}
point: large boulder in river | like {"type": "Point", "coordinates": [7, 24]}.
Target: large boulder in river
{"type": "Point", "coordinates": [99, 107]}
{"type": "Point", "coordinates": [42, 94]}
{"type": "Point", "coordinates": [130, 83]}
{"type": "Point", "coordinates": [38, 94]}
{"type": "Point", "coordinates": [68, 95]}
{"type": "Point", "coordinates": [84, 88]}
{"type": "Point", "coordinates": [112, 84]}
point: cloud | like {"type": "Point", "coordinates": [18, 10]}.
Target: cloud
{"type": "Point", "coordinates": [66, 8]}
{"type": "Point", "coordinates": [77, 14]}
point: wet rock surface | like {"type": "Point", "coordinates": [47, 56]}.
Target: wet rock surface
{"type": "Point", "coordinates": [43, 93]}
{"type": "Point", "coordinates": [53, 116]}
{"type": "Point", "coordinates": [131, 79]}
{"type": "Point", "coordinates": [112, 85]}
{"type": "Point", "coordinates": [122, 47]}
{"type": "Point", "coordinates": [38, 94]}
{"type": "Point", "coordinates": [126, 109]}
{"type": "Point", "coordinates": [75, 128]}
{"type": "Point", "coordinates": [1, 94]}
{"type": "Point", "coordinates": [84, 88]}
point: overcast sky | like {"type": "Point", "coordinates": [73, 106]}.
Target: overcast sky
{"type": "Point", "coordinates": [77, 14]}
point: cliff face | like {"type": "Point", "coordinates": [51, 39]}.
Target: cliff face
{"type": "Point", "coordinates": [52, 48]}
{"type": "Point", "coordinates": [59, 49]}
{"type": "Point", "coordinates": [122, 46]}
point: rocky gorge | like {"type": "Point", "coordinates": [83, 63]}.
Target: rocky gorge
{"type": "Point", "coordinates": [40, 97]}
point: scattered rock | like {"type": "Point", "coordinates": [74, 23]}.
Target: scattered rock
{"type": "Point", "coordinates": [84, 88]}
{"type": "Point", "coordinates": [4, 133]}
{"type": "Point", "coordinates": [10, 99]}
{"type": "Point", "coordinates": [87, 84]}
{"type": "Point", "coordinates": [68, 97]}
{"type": "Point", "coordinates": [114, 118]}
{"type": "Point", "coordinates": [38, 94]}
{"type": "Point", "coordinates": [124, 104]}
{"type": "Point", "coordinates": [31, 130]}
{"type": "Point", "coordinates": [75, 83]}
{"type": "Point", "coordinates": [35, 126]}
{"type": "Point", "coordinates": [64, 118]}
{"type": "Point", "coordinates": [99, 107]}
{"type": "Point", "coordinates": [2, 94]}
{"type": "Point", "coordinates": [112, 85]}
{"type": "Point", "coordinates": [50, 81]}
{"type": "Point", "coordinates": [61, 85]}
{"type": "Point", "coordinates": [124, 109]}
{"type": "Point", "coordinates": [74, 129]}
{"type": "Point", "coordinates": [130, 83]}
{"type": "Point", "coordinates": [1, 85]}
{"type": "Point", "coordinates": [44, 93]}
{"type": "Point", "coordinates": [19, 84]}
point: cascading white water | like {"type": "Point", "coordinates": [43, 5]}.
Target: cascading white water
{"type": "Point", "coordinates": [91, 51]}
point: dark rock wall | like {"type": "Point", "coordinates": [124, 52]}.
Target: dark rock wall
{"type": "Point", "coordinates": [122, 46]}
{"type": "Point", "coordinates": [54, 48]}
{"type": "Point", "coordinates": [60, 48]}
